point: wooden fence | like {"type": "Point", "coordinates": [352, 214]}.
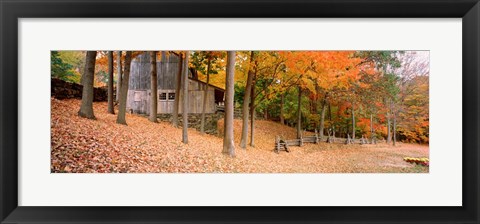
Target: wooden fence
{"type": "Point", "coordinates": [283, 144]}
{"type": "Point", "coordinates": [362, 140]}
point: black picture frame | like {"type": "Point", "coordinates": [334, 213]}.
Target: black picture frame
{"type": "Point", "coordinates": [11, 11]}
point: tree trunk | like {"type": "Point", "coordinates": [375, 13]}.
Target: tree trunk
{"type": "Point", "coordinates": [394, 127]}
{"type": "Point", "coordinates": [194, 73]}
{"type": "Point", "coordinates": [333, 133]}
{"type": "Point", "coordinates": [185, 98]}
{"type": "Point", "coordinates": [153, 87]}
{"type": "Point", "coordinates": [252, 116]}
{"type": "Point", "coordinates": [178, 86]}
{"type": "Point", "coordinates": [122, 107]}
{"type": "Point", "coordinates": [119, 74]}
{"type": "Point", "coordinates": [353, 122]}
{"type": "Point", "coordinates": [252, 109]}
{"type": "Point", "coordinates": [322, 118]}
{"type": "Point", "coordinates": [110, 83]}
{"type": "Point", "coordinates": [86, 108]}
{"type": "Point", "coordinates": [282, 103]}
{"type": "Point", "coordinates": [389, 134]}
{"type": "Point", "coordinates": [205, 94]}
{"type": "Point", "coordinates": [228, 145]}
{"type": "Point", "coordinates": [330, 114]}
{"type": "Point", "coordinates": [246, 103]}
{"type": "Point", "coordinates": [314, 102]}
{"type": "Point", "coordinates": [299, 113]}
{"type": "Point", "coordinates": [371, 128]}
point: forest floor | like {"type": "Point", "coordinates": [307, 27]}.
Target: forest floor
{"type": "Point", "coordinates": [80, 145]}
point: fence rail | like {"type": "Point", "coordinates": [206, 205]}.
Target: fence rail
{"type": "Point", "coordinates": [283, 144]}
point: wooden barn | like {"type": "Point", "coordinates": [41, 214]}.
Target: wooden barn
{"type": "Point", "coordinates": [138, 99]}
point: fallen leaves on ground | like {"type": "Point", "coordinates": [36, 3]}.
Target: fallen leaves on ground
{"type": "Point", "coordinates": [80, 145]}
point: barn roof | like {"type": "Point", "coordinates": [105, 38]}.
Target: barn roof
{"type": "Point", "coordinates": [210, 85]}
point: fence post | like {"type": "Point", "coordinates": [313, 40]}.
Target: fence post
{"type": "Point", "coordinates": [277, 143]}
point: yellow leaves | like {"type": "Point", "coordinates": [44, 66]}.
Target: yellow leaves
{"type": "Point", "coordinates": [310, 85]}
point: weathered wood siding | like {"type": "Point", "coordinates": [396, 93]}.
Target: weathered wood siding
{"type": "Point", "coordinates": [195, 100]}
{"type": "Point", "coordinates": [138, 99]}
{"type": "Point", "coordinates": [167, 69]}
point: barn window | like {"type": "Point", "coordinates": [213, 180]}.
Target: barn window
{"type": "Point", "coordinates": [137, 97]}
{"type": "Point", "coordinates": [171, 96]}
{"type": "Point", "coordinates": [163, 96]}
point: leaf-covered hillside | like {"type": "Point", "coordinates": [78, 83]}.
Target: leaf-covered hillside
{"type": "Point", "coordinates": [82, 145]}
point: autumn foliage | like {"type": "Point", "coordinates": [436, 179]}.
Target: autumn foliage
{"type": "Point", "coordinates": [80, 145]}
{"type": "Point", "coordinates": [377, 96]}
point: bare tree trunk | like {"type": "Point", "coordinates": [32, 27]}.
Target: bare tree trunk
{"type": "Point", "coordinates": [252, 116]}
{"type": "Point", "coordinates": [322, 117]}
{"type": "Point", "coordinates": [282, 103]}
{"type": "Point", "coordinates": [330, 113]}
{"type": "Point", "coordinates": [178, 86]}
{"type": "Point", "coordinates": [333, 133]}
{"type": "Point", "coordinates": [353, 122]}
{"type": "Point", "coordinates": [86, 108]}
{"type": "Point", "coordinates": [110, 83]}
{"type": "Point", "coordinates": [228, 145]}
{"type": "Point", "coordinates": [252, 109]}
{"type": "Point", "coordinates": [194, 73]}
{"type": "Point", "coordinates": [394, 126]}
{"type": "Point", "coordinates": [185, 98]}
{"type": "Point", "coordinates": [205, 94]}
{"type": "Point", "coordinates": [122, 107]}
{"type": "Point", "coordinates": [314, 102]}
{"type": "Point", "coordinates": [371, 128]}
{"type": "Point", "coordinates": [153, 87]}
{"type": "Point", "coordinates": [246, 103]}
{"type": "Point", "coordinates": [299, 113]}
{"type": "Point", "coordinates": [389, 134]}
{"type": "Point", "coordinates": [119, 74]}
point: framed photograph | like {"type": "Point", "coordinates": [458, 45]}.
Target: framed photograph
{"type": "Point", "coordinates": [248, 112]}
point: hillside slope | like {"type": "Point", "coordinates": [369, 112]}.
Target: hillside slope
{"type": "Point", "coordinates": [83, 145]}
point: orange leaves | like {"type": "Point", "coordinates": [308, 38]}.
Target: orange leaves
{"type": "Point", "coordinates": [329, 69]}
{"type": "Point", "coordinates": [81, 145]}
